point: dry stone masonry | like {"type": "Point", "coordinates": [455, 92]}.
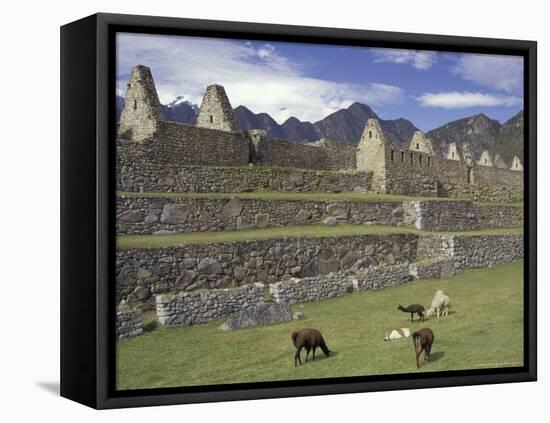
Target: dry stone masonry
{"type": "Point", "coordinates": [255, 281]}
{"type": "Point", "coordinates": [216, 140]}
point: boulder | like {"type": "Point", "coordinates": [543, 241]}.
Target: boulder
{"type": "Point", "coordinates": [359, 188]}
{"type": "Point", "coordinates": [298, 315]}
{"type": "Point", "coordinates": [338, 211]}
{"type": "Point", "coordinates": [131, 216]}
{"type": "Point", "coordinates": [173, 213]}
{"type": "Point", "coordinates": [233, 208]}
{"type": "Point", "coordinates": [261, 220]}
{"type": "Point", "coordinates": [330, 221]}
{"type": "Point", "coordinates": [210, 266]}
{"type": "Point", "coordinates": [302, 216]}
{"type": "Point", "coordinates": [258, 314]}
{"type": "Point", "coordinates": [164, 232]}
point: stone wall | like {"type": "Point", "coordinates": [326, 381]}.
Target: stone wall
{"type": "Point", "coordinates": [380, 277]}
{"type": "Point", "coordinates": [191, 308]}
{"type": "Point", "coordinates": [410, 173]}
{"type": "Point", "coordinates": [177, 144]}
{"type": "Point", "coordinates": [432, 269]}
{"type": "Point", "coordinates": [146, 215]}
{"type": "Point", "coordinates": [141, 215]}
{"type": "Point", "coordinates": [486, 251]}
{"type": "Point", "coordinates": [128, 324]}
{"type": "Point", "coordinates": [314, 288]}
{"type": "Point", "coordinates": [484, 184]}
{"type": "Point", "coordinates": [142, 273]}
{"type": "Point", "coordinates": [320, 155]}
{"type": "Point", "coordinates": [471, 251]}
{"type": "Point", "coordinates": [139, 175]}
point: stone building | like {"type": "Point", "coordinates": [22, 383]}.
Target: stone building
{"type": "Point", "coordinates": [452, 152]}
{"type": "Point", "coordinates": [142, 110]}
{"type": "Point", "coordinates": [371, 154]}
{"type": "Point", "coordinates": [516, 164]}
{"type": "Point", "coordinates": [216, 111]}
{"type": "Point", "coordinates": [485, 159]}
{"type": "Point", "coordinates": [148, 142]}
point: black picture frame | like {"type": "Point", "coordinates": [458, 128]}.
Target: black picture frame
{"type": "Point", "coordinates": [87, 216]}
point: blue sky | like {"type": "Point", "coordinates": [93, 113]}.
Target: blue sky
{"type": "Point", "coordinates": [311, 81]}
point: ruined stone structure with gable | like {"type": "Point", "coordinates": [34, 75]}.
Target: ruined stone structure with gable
{"type": "Point", "coordinates": [197, 283]}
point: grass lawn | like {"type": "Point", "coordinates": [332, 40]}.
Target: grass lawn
{"type": "Point", "coordinates": [320, 230]}
{"type": "Point", "coordinates": [484, 329]}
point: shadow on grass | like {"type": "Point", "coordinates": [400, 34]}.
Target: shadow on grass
{"type": "Point", "coordinates": [151, 326]}
{"type": "Point", "coordinates": [436, 356]}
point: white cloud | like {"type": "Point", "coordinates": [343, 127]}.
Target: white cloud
{"type": "Point", "coordinates": [502, 73]}
{"type": "Point", "coordinates": [461, 100]}
{"type": "Point", "coordinates": [418, 59]}
{"type": "Point", "coordinates": [254, 75]}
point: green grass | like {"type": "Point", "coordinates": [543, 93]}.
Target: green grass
{"type": "Point", "coordinates": [484, 329]}
{"type": "Point", "coordinates": [312, 231]}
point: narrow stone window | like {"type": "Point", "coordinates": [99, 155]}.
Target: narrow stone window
{"type": "Point", "coordinates": [412, 158]}
{"type": "Point", "coordinates": [392, 155]}
{"type": "Point", "coordinates": [485, 161]}
{"type": "Point", "coordinates": [470, 175]}
{"type": "Point", "coordinates": [453, 154]}
{"type": "Point", "coordinates": [403, 156]}
{"type": "Point", "coordinates": [418, 146]}
{"type": "Point", "coordinates": [420, 160]}
{"type": "Point", "coordinates": [135, 104]}
{"type": "Point", "coordinates": [211, 119]}
{"type": "Point", "coordinates": [429, 161]}
{"type": "Point", "coordinates": [370, 134]}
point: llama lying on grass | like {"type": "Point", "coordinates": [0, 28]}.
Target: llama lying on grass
{"type": "Point", "coordinates": [397, 334]}
{"type": "Point", "coordinates": [308, 339]}
{"type": "Point", "coordinates": [423, 340]}
{"type": "Point", "coordinates": [413, 308]}
{"type": "Point", "coordinates": [440, 304]}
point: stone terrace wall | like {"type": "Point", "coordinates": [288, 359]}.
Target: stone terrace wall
{"type": "Point", "coordinates": [143, 272]}
{"type": "Point", "coordinates": [137, 175]}
{"type": "Point", "coordinates": [179, 144]}
{"type": "Point", "coordinates": [380, 277]}
{"type": "Point", "coordinates": [314, 288]}
{"type": "Point", "coordinates": [432, 269]}
{"type": "Point", "coordinates": [191, 308]}
{"type": "Point", "coordinates": [128, 324]}
{"type": "Point", "coordinates": [143, 215]}
{"type": "Point", "coordinates": [148, 215]}
{"type": "Point", "coordinates": [486, 184]}
{"type": "Point", "coordinates": [275, 152]}
{"type": "Point", "coordinates": [488, 250]}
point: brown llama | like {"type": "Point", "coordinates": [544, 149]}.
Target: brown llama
{"type": "Point", "coordinates": [413, 308]}
{"type": "Point", "coordinates": [308, 339]}
{"type": "Point", "coordinates": [423, 340]}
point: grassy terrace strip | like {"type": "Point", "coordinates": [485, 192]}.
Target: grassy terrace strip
{"type": "Point", "coordinates": [478, 333]}
{"type": "Point", "coordinates": [301, 196]}
{"type": "Point", "coordinates": [302, 231]}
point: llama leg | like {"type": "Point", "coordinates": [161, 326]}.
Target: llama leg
{"type": "Point", "coordinates": [412, 314]}
{"type": "Point", "coordinates": [297, 357]}
{"type": "Point", "coordinates": [418, 359]}
{"type": "Point", "coordinates": [307, 353]}
{"type": "Point", "coordinates": [314, 348]}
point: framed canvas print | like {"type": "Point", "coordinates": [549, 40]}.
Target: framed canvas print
{"type": "Point", "coordinates": [255, 211]}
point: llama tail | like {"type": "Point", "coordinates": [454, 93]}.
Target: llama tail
{"type": "Point", "coordinates": [324, 347]}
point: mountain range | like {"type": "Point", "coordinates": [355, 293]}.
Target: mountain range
{"type": "Point", "coordinates": [480, 131]}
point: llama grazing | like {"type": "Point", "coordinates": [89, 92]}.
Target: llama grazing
{"type": "Point", "coordinates": [423, 340]}
{"type": "Point", "coordinates": [308, 339]}
{"type": "Point", "coordinates": [413, 308]}
{"type": "Point", "coordinates": [440, 304]}
{"type": "Point", "coordinates": [397, 334]}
